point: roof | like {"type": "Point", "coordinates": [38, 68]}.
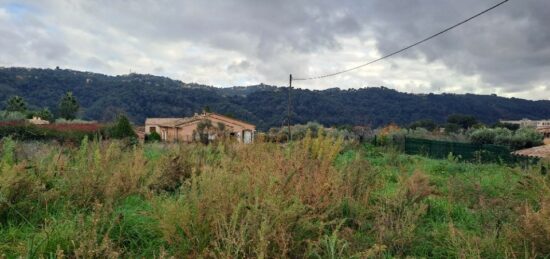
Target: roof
{"type": "Point", "coordinates": [161, 121]}
{"type": "Point", "coordinates": [230, 118]}
{"type": "Point", "coordinates": [38, 121]}
{"type": "Point", "coordinates": [540, 151]}
{"type": "Point", "coordinates": [173, 122]}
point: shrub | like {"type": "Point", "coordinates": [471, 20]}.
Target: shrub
{"type": "Point", "coordinates": [16, 104]}
{"type": "Point", "coordinates": [62, 133]}
{"type": "Point", "coordinates": [19, 190]}
{"type": "Point", "coordinates": [152, 137]}
{"type": "Point", "coordinates": [483, 136]}
{"type": "Point", "coordinates": [44, 114]}
{"type": "Point", "coordinates": [526, 138]}
{"type": "Point", "coordinates": [75, 121]}
{"type": "Point", "coordinates": [522, 138]}
{"type": "Point", "coordinates": [510, 126]}
{"type": "Point", "coordinates": [299, 132]}
{"type": "Point", "coordinates": [534, 228]}
{"type": "Point", "coordinates": [318, 197]}
{"type": "Point", "coordinates": [463, 121]}
{"type": "Point", "coordinates": [174, 169]}
{"type": "Point", "coordinates": [68, 106]}
{"type": "Point", "coordinates": [429, 125]}
{"type": "Point", "coordinates": [503, 136]}
{"type": "Point", "coordinates": [122, 129]}
{"type": "Point", "coordinates": [12, 116]}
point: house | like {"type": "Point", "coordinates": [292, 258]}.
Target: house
{"type": "Point", "coordinates": [545, 131]}
{"type": "Point", "coordinates": [210, 125]}
{"type": "Point", "coordinates": [38, 121]}
{"type": "Point", "coordinates": [529, 123]}
{"type": "Point", "coordinates": [540, 152]}
{"type": "Point", "coordinates": [542, 126]}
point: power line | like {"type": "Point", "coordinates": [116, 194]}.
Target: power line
{"type": "Point", "coordinates": [405, 48]}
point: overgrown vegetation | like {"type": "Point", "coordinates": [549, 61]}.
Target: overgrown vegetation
{"type": "Point", "coordinates": [316, 198]}
{"type": "Point", "coordinates": [522, 138]}
{"type": "Point", "coordinates": [63, 133]}
{"type": "Point", "coordinates": [16, 108]}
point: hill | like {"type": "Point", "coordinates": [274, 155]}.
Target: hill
{"type": "Point", "coordinates": [140, 96]}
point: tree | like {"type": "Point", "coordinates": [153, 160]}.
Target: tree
{"type": "Point", "coordinates": [526, 138]}
{"type": "Point", "coordinates": [522, 138]}
{"type": "Point", "coordinates": [451, 128]}
{"type": "Point", "coordinates": [16, 104]}
{"type": "Point", "coordinates": [483, 136]}
{"type": "Point", "coordinates": [203, 130]}
{"type": "Point", "coordinates": [68, 106]}
{"type": "Point", "coordinates": [426, 124]}
{"type": "Point", "coordinates": [44, 114]}
{"type": "Point", "coordinates": [122, 129]}
{"type": "Point", "coordinates": [510, 126]}
{"type": "Point", "coordinates": [464, 121]}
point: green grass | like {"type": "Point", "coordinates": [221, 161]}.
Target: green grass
{"type": "Point", "coordinates": [318, 198]}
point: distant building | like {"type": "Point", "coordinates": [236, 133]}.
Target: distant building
{"type": "Point", "coordinates": [545, 131]}
{"type": "Point", "coordinates": [187, 129]}
{"type": "Point", "coordinates": [542, 126]}
{"type": "Point", "coordinates": [529, 123]}
{"type": "Point", "coordinates": [38, 121]}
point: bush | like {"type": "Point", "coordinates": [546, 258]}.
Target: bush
{"type": "Point", "coordinates": [522, 138]}
{"type": "Point", "coordinates": [318, 197]}
{"type": "Point", "coordinates": [122, 129]}
{"type": "Point", "coordinates": [503, 136]}
{"type": "Point", "coordinates": [299, 132]}
{"type": "Point", "coordinates": [44, 114]}
{"type": "Point", "coordinates": [526, 138]}
{"type": "Point", "coordinates": [76, 121]}
{"type": "Point", "coordinates": [12, 116]}
{"type": "Point", "coordinates": [510, 126]}
{"type": "Point", "coordinates": [535, 228]}
{"type": "Point", "coordinates": [483, 136]}
{"type": "Point", "coordinates": [152, 137]}
{"type": "Point", "coordinates": [429, 125]}
{"type": "Point", "coordinates": [26, 131]}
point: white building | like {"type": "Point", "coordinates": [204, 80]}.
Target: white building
{"type": "Point", "coordinates": [529, 123]}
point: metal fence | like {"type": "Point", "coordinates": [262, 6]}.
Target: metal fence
{"type": "Point", "coordinates": [464, 151]}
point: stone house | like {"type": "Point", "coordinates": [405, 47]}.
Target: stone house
{"type": "Point", "coordinates": [189, 129]}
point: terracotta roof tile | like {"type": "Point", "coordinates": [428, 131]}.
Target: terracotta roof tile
{"type": "Point", "coordinates": [161, 121]}
{"type": "Point", "coordinates": [540, 151]}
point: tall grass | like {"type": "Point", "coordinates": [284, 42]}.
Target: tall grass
{"type": "Point", "coordinates": [320, 197]}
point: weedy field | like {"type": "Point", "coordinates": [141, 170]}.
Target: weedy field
{"type": "Point", "coordinates": [317, 198]}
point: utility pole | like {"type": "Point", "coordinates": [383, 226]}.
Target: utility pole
{"type": "Point", "coordinates": [288, 119]}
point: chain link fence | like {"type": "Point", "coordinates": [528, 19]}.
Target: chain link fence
{"type": "Point", "coordinates": [464, 151]}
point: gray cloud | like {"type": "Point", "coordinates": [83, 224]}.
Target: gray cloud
{"type": "Point", "coordinates": [230, 42]}
{"type": "Point", "coordinates": [508, 47]}
{"type": "Point", "coordinates": [239, 66]}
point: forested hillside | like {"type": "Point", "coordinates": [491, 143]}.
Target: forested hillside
{"type": "Point", "coordinates": [141, 96]}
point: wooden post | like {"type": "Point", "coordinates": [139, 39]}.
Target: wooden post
{"type": "Point", "coordinates": [288, 119]}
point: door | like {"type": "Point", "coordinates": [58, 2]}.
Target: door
{"type": "Point", "coordinates": [247, 137]}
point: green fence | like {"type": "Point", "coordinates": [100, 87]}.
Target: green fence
{"type": "Point", "coordinates": [464, 151]}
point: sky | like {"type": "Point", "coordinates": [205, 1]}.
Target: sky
{"type": "Point", "coordinates": [246, 42]}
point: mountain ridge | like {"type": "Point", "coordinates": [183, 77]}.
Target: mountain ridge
{"type": "Point", "coordinates": [143, 95]}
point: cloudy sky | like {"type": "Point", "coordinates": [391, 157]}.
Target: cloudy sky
{"type": "Point", "coordinates": [246, 42]}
